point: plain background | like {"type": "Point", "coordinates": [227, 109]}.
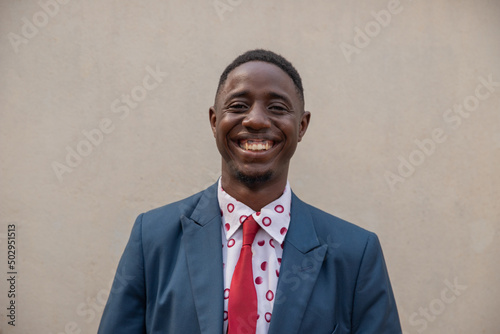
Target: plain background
{"type": "Point", "coordinates": [438, 223]}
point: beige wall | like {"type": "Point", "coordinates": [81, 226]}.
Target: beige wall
{"type": "Point", "coordinates": [65, 73]}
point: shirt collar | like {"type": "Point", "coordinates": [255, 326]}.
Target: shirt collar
{"type": "Point", "coordinates": [274, 218]}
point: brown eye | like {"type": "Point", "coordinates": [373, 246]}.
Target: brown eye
{"type": "Point", "coordinates": [278, 108]}
{"type": "Point", "coordinates": [237, 107]}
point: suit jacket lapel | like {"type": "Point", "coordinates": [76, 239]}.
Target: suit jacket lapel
{"type": "Point", "coordinates": [203, 243]}
{"type": "Point", "coordinates": [303, 256]}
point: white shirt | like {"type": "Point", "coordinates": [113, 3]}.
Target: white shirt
{"type": "Point", "coordinates": [267, 248]}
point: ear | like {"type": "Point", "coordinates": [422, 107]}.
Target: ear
{"type": "Point", "coordinates": [304, 123]}
{"type": "Point", "coordinates": [213, 119]}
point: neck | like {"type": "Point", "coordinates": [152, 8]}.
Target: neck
{"type": "Point", "coordinates": [255, 196]}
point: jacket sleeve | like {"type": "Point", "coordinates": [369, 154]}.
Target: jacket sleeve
{"type": "Point", "coordinates": [374, 307]}
{"type": "Point", "coordinates": [126, 307]}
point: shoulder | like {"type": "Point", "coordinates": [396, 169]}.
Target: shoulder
{"type": "Point", "coordinates": [165, 221]}
{"type": "Point", "coordinates": [336, 232]}
{"type": "Point", "coordinates": [325, 220]}
{"type": "Point", "coordinates": [176, 209]}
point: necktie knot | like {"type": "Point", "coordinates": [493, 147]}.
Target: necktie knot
{"type": "Point", "coordinates": [250, 228]}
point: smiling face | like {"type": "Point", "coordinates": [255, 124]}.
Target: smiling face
{"type": "Point", "coordinates": [257, 121]}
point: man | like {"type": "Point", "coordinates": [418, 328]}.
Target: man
{"type": "Point", "coordinates": [246, 255]}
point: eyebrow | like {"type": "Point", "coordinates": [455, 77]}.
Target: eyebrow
{"type": "Point", "coordinates": [272, 95]}
{"type": "Point", "coordinates": [237, 94]}
{"type": "Point", "coordinates": [275, 95]}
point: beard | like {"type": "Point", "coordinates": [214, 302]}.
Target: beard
{"type": "Point", "coordinates": [253, 180]}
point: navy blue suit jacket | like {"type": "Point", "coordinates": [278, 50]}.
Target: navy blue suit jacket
{"type": "Point", "coordinates": [333, 277]}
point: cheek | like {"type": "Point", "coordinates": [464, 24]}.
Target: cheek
{"type": "Point", "coordinates": [222, 131]}
{"type": "Point", "coordinates": [291, 129]}
{"type": "Point", "coordinates": [228, 124]}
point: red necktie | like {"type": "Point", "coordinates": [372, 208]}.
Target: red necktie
{"type": "Point", "coordinates": [242, 304]}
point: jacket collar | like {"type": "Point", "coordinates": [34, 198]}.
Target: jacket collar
{"type": "Point", "coordinates": [303, 255]}
{"type": "Point", "coordinates": [202, 242]}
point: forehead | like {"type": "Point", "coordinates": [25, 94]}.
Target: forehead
{"type": "Point", "coordinates": [260, 77]}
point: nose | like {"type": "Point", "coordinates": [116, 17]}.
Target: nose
{"type": "Point", "coordinates": [257, 118]}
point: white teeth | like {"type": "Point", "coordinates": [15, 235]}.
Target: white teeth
{"type": "Point", "coordinates": [249, 146]}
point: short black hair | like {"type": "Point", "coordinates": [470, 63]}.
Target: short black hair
{"type": "Point", "coordinates": [268, 57]}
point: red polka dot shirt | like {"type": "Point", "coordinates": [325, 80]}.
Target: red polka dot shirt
{"type": "Point", "coordinates": [267, 248]}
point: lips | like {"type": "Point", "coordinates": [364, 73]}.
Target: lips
{"type": "Point", "coordinates": [255, 145]}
